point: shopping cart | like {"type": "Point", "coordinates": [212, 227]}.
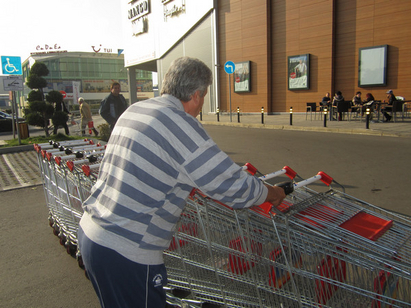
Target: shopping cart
{"type": "Point", "coordinates": [323, 249]}
{"type": "Point", "coordinates": [61, 182]}
{"type": "Point", "coordinates": [317, 249]}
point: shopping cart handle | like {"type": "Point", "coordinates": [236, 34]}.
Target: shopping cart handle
{"type": "Point", "coordinates": [322, 176]}
{"type": "Point", "coordinates": [325, 178]}
{"type": "Point", "coordinates": [265, 207]}
{"type": "Point", "coordinates": [79, 154]}
{"type": "Point", "coordinates": [57, 159]}
{"type": "Point", "coordinates": [286, 170]}
{"type": "Point", "coordinates": [287, 186]}
{"type": "Point", "coordinates": [91, 158]}
{"type": "Point", "coordinates": [70, 165]}
{"type": "Point", "coordinates": [86, 169]}
{"type": "Point", "coordinates": [250, 168]}
{"type": "Point", "coordinates": [49, 156]}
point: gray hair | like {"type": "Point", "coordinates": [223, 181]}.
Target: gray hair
{"type": "Point", "coordinates": [186, 76]}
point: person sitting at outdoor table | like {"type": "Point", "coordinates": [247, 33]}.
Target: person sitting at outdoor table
{"type": "Point", "coordinates": [368, 103]}
{"type": "Point", "coordinates": [391, 99]}
{"type": "Point", "coordinates": [356, 103]}
{"type": "Point", "coordinates": [338, 97]}
{"type": "Point", "coordinates": [325, 102]}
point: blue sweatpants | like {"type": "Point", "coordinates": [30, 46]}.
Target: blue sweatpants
{"type": "Point", "coordinates": [119, 282]}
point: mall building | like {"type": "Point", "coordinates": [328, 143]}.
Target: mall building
{"type": "Point", "coordinates": [285, 52]}
{"type": "Point", "coordinates": [85, 74]}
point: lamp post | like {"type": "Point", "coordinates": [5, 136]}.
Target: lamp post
{"type": "Point", "coordinates": [291, 115]}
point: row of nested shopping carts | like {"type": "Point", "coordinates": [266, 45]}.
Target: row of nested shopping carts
{"type": "Point", "coordinates": [317, 249]}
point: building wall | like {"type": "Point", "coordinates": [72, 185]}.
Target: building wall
{"type": "Point", "coordinates": [332, 31]}
{"type": "Point", "coordinates": [243, 36]}
{"type": "Point", "coordinates": [372, 23]}
{"type": "Point", "coordinates": [198, 43]}
{"type": "Point", "coordinates": [301, 27]}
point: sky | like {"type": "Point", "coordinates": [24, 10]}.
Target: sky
{"type": "Point", "coordinates": [28, 26]}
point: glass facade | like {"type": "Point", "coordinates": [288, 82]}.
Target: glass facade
{"type": "Point", "coordinates": [89, 68]}
{"type": "Point", "coordinates": [94, 72]}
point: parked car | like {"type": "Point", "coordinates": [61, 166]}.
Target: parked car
{"type": "Point", "coordinates": [7, 115]}
{"type": "Point", "coordinates": [6, 122]}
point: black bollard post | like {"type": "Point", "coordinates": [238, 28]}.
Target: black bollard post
{"type": "Point", "coordinates": [262, 115]}
{"type": "Point", "coordinates": [291, 115]}
{"type": "Point", "coordinates": [238, 114]}
{"type": "Point", "coordinates": [367, 118]}
{"type": "Point", "coordinates": [218, 114]}
{"type": "Point", "coordinates": [325, 116]}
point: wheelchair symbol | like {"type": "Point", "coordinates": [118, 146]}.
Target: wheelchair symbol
{"type": "Point", "coordinates": [9, 67]}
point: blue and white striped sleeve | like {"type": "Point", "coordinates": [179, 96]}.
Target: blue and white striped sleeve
{"type": "Point", "coordinates": [216, 175]}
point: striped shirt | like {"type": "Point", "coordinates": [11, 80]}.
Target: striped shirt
{"type": "Point", "coordinates": [156, 154]}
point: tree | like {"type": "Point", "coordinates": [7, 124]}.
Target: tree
{"type": "Point", "coordinates": [39, 111]}
{"type": "Point", "coordinates": [59, 117]}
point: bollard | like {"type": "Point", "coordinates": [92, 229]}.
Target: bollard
{"type": "Point", "coordinates": [262, 115]}
{"type": "Point", "coordinates": [291, 115]}
{"type": "Point", "coordinates": [238, 114]}
{"type": "Point", "coordinates": [218, 114]}
{"type": "Point", "coordinates": [367, 118]}
{"type": "Point", "coordinates": [325, 116]}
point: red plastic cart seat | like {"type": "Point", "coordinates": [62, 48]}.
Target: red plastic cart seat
{"type": "Point", "coordinates": [366, 225]}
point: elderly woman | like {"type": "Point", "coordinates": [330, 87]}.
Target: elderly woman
{"type": "Point", "coordinates": [86, 117]}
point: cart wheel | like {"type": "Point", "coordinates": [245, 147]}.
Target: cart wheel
{"type": "Point", "coordinates": [70, 248]}
{"type": "Point", "coordinates": [62, 240]}
{"type": "Point", "coordinates": [56, 231]}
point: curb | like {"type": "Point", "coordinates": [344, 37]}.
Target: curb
{"type": "Point", "coordinates": [16, 149]}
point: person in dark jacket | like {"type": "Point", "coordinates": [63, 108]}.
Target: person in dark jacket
{"type": "Point", "coordinates": [325, 102]}
{"type": "Point", "coordinates": [113, 105]}
{"type": "Point", "coordinates": [391, 99]}
{"type": "Point", "coordinates": [338, 97]}
{"type": "Point", "coordinates": [60, 106]}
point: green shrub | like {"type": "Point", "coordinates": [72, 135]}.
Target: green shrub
{"type": "Point", "coordinates": [104, 131]}
{"type": "Point", "coordinates": [59, 118]}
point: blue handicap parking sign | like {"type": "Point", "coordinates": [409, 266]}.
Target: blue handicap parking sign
{"type": "Point", "coordinates": [11, 65]}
